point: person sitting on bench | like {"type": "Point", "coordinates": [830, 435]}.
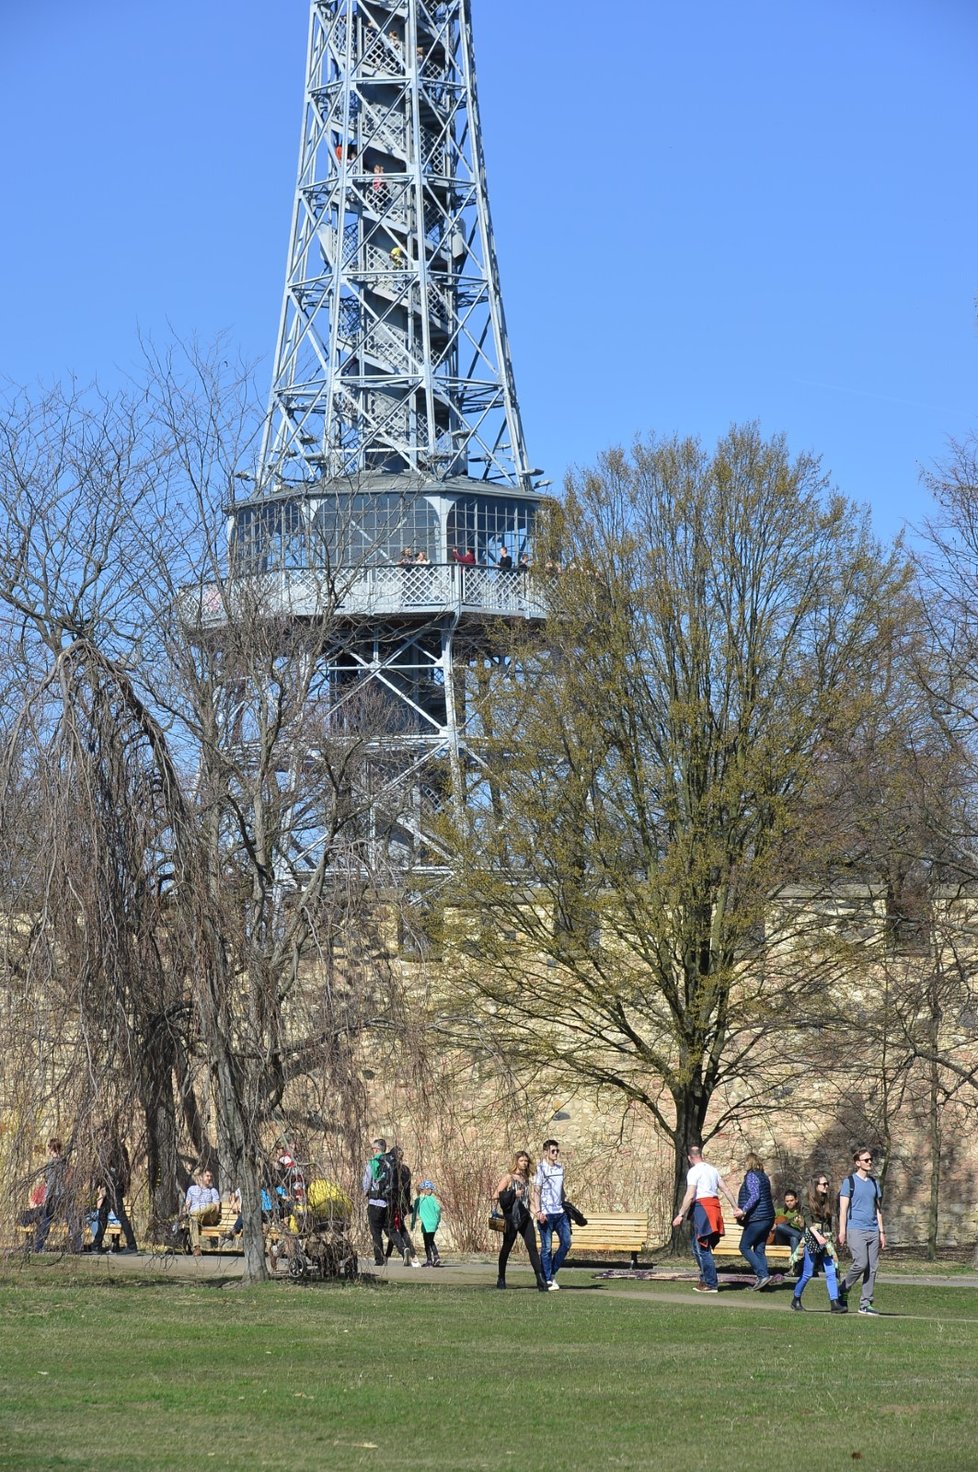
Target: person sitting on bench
{"type": "Point", "coordinates": [202, 1208]}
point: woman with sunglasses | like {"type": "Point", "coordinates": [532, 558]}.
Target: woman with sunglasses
{"type": "Point", "coordinates": [819, 1242]}
{"type": "Point", "coordinates": [513, 1194]}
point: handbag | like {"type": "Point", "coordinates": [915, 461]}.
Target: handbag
{"type": "Point", "coordinates": [497, 1222]}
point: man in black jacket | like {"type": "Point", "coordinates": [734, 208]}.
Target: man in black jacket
{"type": "Point", "coordinates": [112, 1175]}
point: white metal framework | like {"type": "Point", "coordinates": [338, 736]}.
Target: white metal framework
{"type": "Point", "coordinates": [393, 502]}
{"type": "Point", "coordinates": [392, 352]}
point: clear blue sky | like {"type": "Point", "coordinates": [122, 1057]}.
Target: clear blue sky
{"type": "Point", "coordinates": [704, 211]}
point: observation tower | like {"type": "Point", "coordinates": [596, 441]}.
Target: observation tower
{"type": "Point", "coordinates": [392, 489]}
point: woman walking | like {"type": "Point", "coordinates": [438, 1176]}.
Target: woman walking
{"type": "Point", "coordinates": [819, 1242]}
{"type": "Point", "coordinates": [757, 1204]}
{"type": "Point", "coordinates": [513, 1194]}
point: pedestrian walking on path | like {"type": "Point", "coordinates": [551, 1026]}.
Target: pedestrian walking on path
{"type": "Point", "coordinates": [513, 1194]}
{"type": "Point", "coordinates": [819, 1244]}
{"type": "Point", "coordinates": [704, 1186]}
{"type": "Point", "coordinates": [861, 1225]}
{"type": "Point", "coordinates": [548, 1208]}
{"type": "Point", "coordinates": [757, 1217]}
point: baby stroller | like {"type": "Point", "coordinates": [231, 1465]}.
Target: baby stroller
{"type": "Point", "coordinates": [316, 1236]}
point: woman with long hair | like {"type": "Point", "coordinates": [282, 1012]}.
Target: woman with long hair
{"type": "Point", "coordinates": [757, 1207]}
{"type": "Point", "coordinates": [513, 1194]}
{"type": "Point", "coordinates": [819, 1242]}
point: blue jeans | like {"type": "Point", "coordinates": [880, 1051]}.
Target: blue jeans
{"type": "Point", "coordinates": [559, 1222]}
{"type": "Point", "coordinates": [808, 1269]}
{"type": "Point", "coordinates": [706, 1263]}
{"type": "Point", "coordinates": [752, 1243]}
{"type": "Point", "coordinates": [705, 1260]}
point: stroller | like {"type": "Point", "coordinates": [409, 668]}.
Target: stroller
{"type": "Point", "coordinates": [315, 1238]}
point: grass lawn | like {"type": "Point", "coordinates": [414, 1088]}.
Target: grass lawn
{"type": "Point", "coordinates": [151, 1374]}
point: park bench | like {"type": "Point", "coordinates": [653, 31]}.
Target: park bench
{"type": "Point", "coordinates": [58, 1235]}
{"type": "Point", "coordinates": [212, 1238]}
{"type": "Point", "coordinates": [621, 1233]}
{"type": "Point", "coordinates": [728, 1251]}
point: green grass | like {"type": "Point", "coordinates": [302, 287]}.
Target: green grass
{"type": "Point", "coordinates": [159, 1375]}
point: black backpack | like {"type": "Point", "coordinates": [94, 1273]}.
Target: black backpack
{"type": "Point", "coordinates": [385, 1181]}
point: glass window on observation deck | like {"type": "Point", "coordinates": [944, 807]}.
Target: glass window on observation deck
{"type": "Point", "coordinates": [374, 530]}
{"type": "Point", "coordinates": [267, 537]}
{"type": "Point", "coordinates": [487, 524]}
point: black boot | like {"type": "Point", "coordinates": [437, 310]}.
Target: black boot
{"type": "Point", "coordinates": [500, 1282]}
{"type": "Point", "coordinates": [836, 1306]}
{"type": "Point", "coordinates": [541, 1283]}
{"type": "Point", "coordinates": [797, 1304]}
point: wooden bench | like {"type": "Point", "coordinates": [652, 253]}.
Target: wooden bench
{"type": "Point", "coordinates": [212, 1238]}
{"type": "Point", "coordinates": [58, 1235]}
{"type": "Point", "coordinates": [614, 1231]}
{"type": "Point", "coordinates": [777, 1257]}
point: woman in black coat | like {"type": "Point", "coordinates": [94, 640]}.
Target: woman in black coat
{"type": "Point", "coordinates": [513, 1194]}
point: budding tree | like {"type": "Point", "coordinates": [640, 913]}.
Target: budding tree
{"type": "Point", "coordinates": [715, 621]}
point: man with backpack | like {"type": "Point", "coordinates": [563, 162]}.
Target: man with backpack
{"type": "Point", "coordinates": [376, 1200]}
{"type": "Point", "coordinates": [861, 1224]}
{"type": "Point", "coordinates": [387, 1187]}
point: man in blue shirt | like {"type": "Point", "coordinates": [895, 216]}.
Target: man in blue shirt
{"type": "Point", "coordinates": [861, 1225]}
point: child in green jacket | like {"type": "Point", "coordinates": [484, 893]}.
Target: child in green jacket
{"type": "Point", "coordinates": [427, 1207]}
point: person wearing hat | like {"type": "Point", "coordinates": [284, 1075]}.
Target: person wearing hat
{"type": "Point", "coordinates": [427, 1209]}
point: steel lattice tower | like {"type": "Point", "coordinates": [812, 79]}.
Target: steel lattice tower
{"type": "Point", "coordinates": [393, 425]}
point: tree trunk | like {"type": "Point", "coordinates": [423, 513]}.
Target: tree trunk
{"type": "Point", "coordinates": [241, 1171]}
{"type": "Point", "coordinates": [933, 1205]}
{"type": "Point", "coordinates": [691, 1104]}
{"type": "Point", "coordinates": [162, 1152]}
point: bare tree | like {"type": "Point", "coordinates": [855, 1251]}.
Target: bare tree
{"type": "Point", "coordinates": [201, 915]}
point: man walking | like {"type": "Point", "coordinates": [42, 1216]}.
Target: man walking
{"type": "Point", "coordinates": [704, 1185]}
{"type": "Point", "coordinates": [861, 1225]}
{"type": "Point", "coordinates": [548, 1208]}
{"type": "Point", "coordinates": [59, 1199]}
{"type": "Point", "coordinates": [377, 1202]}
{"type": "Point", "coordinates": [113, 1174]}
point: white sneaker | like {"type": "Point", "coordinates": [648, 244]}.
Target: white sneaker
{"type": "Point", "coordinates": [416, 1264]}
{"type": "Point", "coordinates": [552, 1287]}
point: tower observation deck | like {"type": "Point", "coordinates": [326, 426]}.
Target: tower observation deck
{"type": "Point", "coordinates": [392, 489]}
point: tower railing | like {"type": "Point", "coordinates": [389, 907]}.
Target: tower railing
{"type": "Point", "coordinates": [434, 589]}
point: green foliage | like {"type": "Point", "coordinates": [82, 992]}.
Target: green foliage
{"type": "Point", "coordinates": [716, 625]}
